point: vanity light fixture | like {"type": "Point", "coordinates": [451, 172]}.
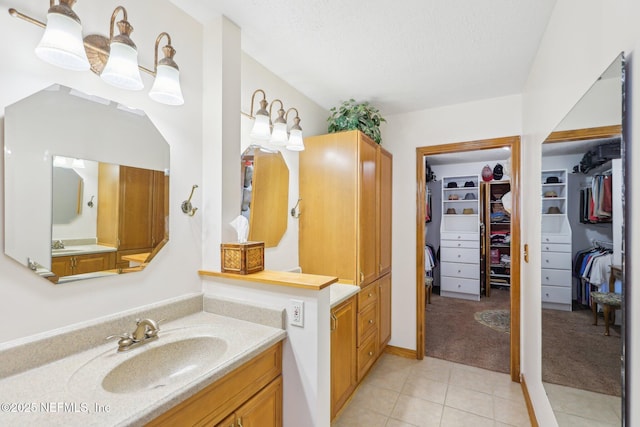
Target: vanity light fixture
{"type": "Point", "coordinates": [115, 58]}
{"type": "Point", "coordinates": [121, 69]}
{"type": "Point", "coordinates": [262, 127]}
{"type": "Point", "coordinates": [166, 87]}
{"type": "Point", "coordinates": [61, 43]}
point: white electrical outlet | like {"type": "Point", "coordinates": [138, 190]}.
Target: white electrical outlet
{"type": "Point", "coordinates": [297, 313]}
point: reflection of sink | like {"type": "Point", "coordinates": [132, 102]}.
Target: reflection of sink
{"type": "Point", "coordinates": [164, 364]}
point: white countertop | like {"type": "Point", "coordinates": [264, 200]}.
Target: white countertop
{"type": "Point", "coordinates": [81, 250]}
{"type": "Point", "coordinates": [68, 392]}
{"type": "Point", "coordinates": [339, 292]}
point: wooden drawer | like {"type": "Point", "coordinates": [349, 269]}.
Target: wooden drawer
{"type": "Point", "coordinates": [458, 269]}
{"type": "Point", "coordinates": [463, 286]}
{"type": "Point", "coordinates": [367, 322]}
{"type": "Point", "coordinates": [556, 238]}
{"type": "Point", "coordinates": [367, 355]}
{"type": "Point", "coordinates": [471, 256]}
{"type": "Point", "coordinates": [556, 294]}
{"type": "Point", "coordinates": [559, 260]}
{"type": "Point", "coordinates": [556, 247]}
{"type": "Point", "coordinates": [553, 277]}
{"type": "Point", "coordinates": [459, 236]}
{"type": "Point", "coordinates": [460, 243]}
{"type": "Point", "coordinates": [368, 295]}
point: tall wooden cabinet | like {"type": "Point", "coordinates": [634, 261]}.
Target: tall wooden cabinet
{"type": "Point", "coordinates": [343, 353]}
{"type": "Point", "coordinates": [345, 225]}
{"type": "Point", "coordinates": [132, 209]}
{"type": "Point", "coordinates": [345, 231]}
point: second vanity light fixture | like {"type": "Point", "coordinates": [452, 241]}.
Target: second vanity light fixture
{"type": "Point", "coordinates": [115, 58]}
{"type": "Point", "coordinates": [262, 127]}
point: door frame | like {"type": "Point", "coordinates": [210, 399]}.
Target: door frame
{"type": "Point", "coordinates": [513, 143]}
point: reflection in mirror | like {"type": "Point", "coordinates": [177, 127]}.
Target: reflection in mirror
{"type": "Point", "coordinates": [86, 186]}
{"type": "Point", "coordinates": [583, 256]}
{"type": "Point", "coordinates": [265, 194]}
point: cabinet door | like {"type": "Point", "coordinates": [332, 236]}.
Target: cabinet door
{"type": "Point", "coordinates": [385, 183]}
{"type": "Point", "coordinates": [368, 262]}
{"type": "Point", "coordinates": [343, 353]}
{"type": "Point", "coordinates": [384, 304]}
{"type": "Point", "coordinates": [136, 208]}
{"type": "Point", "coordinates": [61, 266]}
{"type": "Point", "coordinates": [264, 409]}
{"type": "Point", "coordinates": [90, 263]}
{"type": "Point", "coordinates": [160, 227]}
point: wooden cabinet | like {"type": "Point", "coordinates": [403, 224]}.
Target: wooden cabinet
{"type": "Point", "coordinates": [249, 396]}
{"type": "Point", "coordinates": [343, 353]}
{"type": "Point", "coordinates": [132, 209]}
{"type": "Point", "coordinates": [384, 311]}
{"type": "Point", "coordinates": [345, 187]}
{"type": "Point", "coordinates": [262, 410]}
{"type": "Point", "coordinates": [78, 264]}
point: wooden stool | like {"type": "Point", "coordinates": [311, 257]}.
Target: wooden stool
{"type": "Point", "coordinates": [608, 300]}
{"type": "Point", "coordinates": [428, 285]}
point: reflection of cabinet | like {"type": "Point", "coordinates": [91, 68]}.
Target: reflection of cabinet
{"type": "Point", "coordinates": [556, 241]}
{"type": "Point", "coordinates": [343, 353]}
{"type": "Point", "coordinates": [78, 264]}
{"type": "Point", "coordinates": [345, 225]}
{"type": "Point", "coordinates": [460, 238]}
{"type": "Point", "coordinates": [497, 243]}
{"type": "Point", "coordinates": [132, 209]}
{"type": "Point", "coordinates": [251, 395]}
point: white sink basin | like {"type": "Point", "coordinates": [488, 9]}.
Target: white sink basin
{"type": "Point", "coordinates": [164, 364]}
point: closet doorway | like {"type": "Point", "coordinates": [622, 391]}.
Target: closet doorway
{"type": "Point", "coordinates": [513, 144]}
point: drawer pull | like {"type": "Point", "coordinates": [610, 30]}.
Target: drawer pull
{"type": "Point", "coordinates": [459, 244]}
{"type": "Point", "coordinates": [371, 353]}
{"type": "Point", "coordinates": [370, 295]}
{"type": "Point", "coordinates": [459, 237]}
{"type": "Point", "coordinates": [547, 294]}
{"type": "Point", "coordinates": [547, 247]}
{"type": "Point", "coordinates": [459, 255]}
{"type": "Point", "coordinates": [371, 321]}
{"type": "Point", "coordinates": [547, 277]}
{"type": "Point", "coordinates": [459, 286]}
{"type": "Point", "coordinates": [547, 261]}
{"type": "Point", "coordinates": [459, 271]}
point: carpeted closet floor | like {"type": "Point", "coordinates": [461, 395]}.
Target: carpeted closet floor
{"type": "Point", "coordinates": [453, 334]}
{"type": "Point", "coordinates": [575, 353]}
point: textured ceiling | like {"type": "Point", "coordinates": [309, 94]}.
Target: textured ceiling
{"type": "Point", "coordinates": [402, 56]}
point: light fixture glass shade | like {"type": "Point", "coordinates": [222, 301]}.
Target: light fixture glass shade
{"type": "Point", "coordinates": [166, 87]}
{"type": "Point", "coordinates": [62, 45]}
{"type": "Point", "coordinates": [261, 129]}
{"type": "Point", "coordinates": [296, 142]}
{"type": "Point", "coordinates": [279, 134]}
{"type": "Point", "coordinates": [121, 69]}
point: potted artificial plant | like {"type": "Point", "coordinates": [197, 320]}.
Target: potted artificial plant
{"type": "Point", "coordinates": [356, 115]}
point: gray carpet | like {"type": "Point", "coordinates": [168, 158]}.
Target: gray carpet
{"type": "Point", "coordinates": [452, 332]}
{"type": "Point", "coordinates": [577, 354]}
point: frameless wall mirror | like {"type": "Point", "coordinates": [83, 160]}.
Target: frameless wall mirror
{"type": "Point", "coordinates": [583, 257]}
{"type": "Point", "coordinates": [265, 194]}
{"type": "Point", "coordinates": [86, 186]}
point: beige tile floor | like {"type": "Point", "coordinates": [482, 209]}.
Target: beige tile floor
{"type": "Point", "coordinates": [401, 392]}
{"type": "Point", "coordinates": [581, 408]}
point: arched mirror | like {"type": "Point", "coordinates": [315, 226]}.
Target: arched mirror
{"type": "Point", "coordinates": [583, 257]}
{"type": "Point", "coordinates": [86, 186]}
{"type": "Point", "coordinates": [265, 194]}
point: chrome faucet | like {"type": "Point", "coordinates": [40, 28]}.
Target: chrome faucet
{"type": "Point", "coordinates": [146, 330]}
{"type": "Point", "coordinates": [57, 244]}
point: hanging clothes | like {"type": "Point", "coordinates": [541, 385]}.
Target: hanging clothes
{"type": "Point", "coordinates": [430, 261]}
{"type": "Point", "coordinates": [596, 200]}
{"type": "Point", "coordinates": [592, 268]}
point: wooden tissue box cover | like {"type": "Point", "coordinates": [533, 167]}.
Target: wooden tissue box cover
{"type": "Point", "coordinates": [242, 258]}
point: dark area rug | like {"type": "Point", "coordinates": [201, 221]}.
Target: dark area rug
{"type": "Point", "coordinates": [575, 353]}
{"type": "Point", "coordinates": [454, 334]}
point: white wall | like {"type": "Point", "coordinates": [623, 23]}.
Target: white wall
{"type": "Point", "coordinates": [313, 122]}
{"type": "Point", "coordinates": [491, 118]}
{"type": "Point", "coordinates": [581, 40]}
{"type": "Point", "coordinates": [31, 304]}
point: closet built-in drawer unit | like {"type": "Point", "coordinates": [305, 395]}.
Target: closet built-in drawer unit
{"type": "Point", "coordinates": [556, 276]}
{"type": "Point", "coordinates": [460, 261]}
